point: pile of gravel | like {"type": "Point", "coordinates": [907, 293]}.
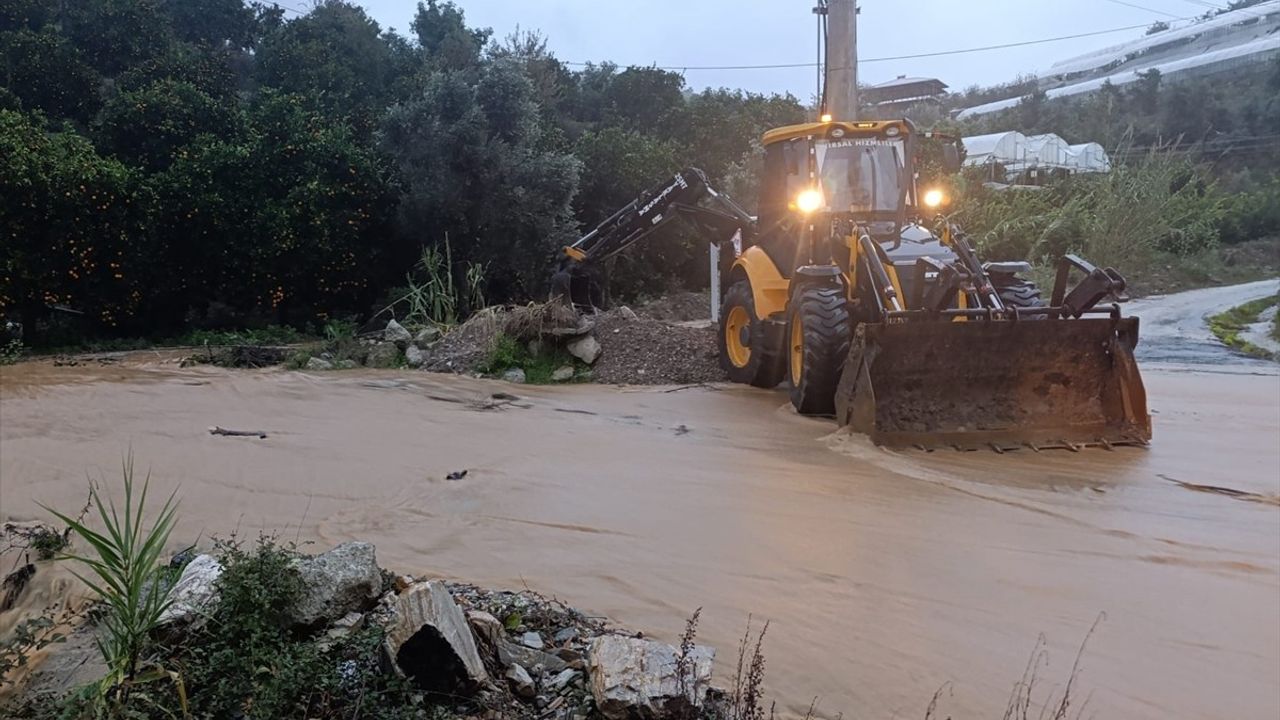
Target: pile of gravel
{"type": "Point", "coordinates": [678, 307]}
{"type": "Point", "coordinates": [643, 351]}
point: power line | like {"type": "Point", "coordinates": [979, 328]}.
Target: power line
{"type": "Point", "coordinates": [940, 53]}
{"type": "Point", "coordinates": [1143, 8]}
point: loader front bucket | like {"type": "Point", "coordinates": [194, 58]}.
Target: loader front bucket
{"type": "Point", "coordinates": [996, 384]}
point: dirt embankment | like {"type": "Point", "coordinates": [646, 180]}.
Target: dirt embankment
{"type": "Point", "coordinates": [667, 341]}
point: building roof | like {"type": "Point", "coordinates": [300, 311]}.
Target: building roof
{"type": "Point", "coordinates": [904, 88]}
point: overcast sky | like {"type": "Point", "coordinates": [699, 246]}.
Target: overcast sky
{"type": "Point", "coordinates": [755, 32]}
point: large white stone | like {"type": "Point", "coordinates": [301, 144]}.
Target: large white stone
{"type": "Point", "coordinates": [637, 678]}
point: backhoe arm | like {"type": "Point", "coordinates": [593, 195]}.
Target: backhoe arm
{"type": "Point", "coordinates": [653, 210]}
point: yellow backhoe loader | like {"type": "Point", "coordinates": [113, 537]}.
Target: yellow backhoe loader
{"type": "Point", "coordinates": [875, 308]}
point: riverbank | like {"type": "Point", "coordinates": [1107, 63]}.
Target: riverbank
{"type": "Point", "coordinates": [259, 629]}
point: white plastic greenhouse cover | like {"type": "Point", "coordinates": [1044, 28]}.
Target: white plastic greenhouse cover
{"type": "Point", "coordinates": [1088, 157]}
{"type": "Point", "coordinates": [1270, 44]}
{"type": "Point", "coordinates": [1000, 147]}
{"type": "Point", "coordinates": [1099, 58]}
{"type": "Point", "coordinates": [1047, 149]}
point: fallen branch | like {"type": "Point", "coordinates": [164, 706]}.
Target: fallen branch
{"type": "Point", "coordinates": [215, 430]}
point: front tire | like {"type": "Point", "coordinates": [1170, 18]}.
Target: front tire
{"type": "Point", "coordinates": [743, 344]}
{"type": "Point", "coordinates": [818, 336]}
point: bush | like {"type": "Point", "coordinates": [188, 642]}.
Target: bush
{"type": "Point", "coordinates": [1160, 202]}
{"type": "Point", "coordinates": [1252, 215]}
{"type": "Point", "coordinates": [246, 659]}
{"type": "Point", "coordinates": [508, 353]}
{"type": "Point", "coordinates": [126, 576]}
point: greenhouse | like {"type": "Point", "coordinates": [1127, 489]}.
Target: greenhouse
{"type": "Point", "coordinates": [1015, 154]}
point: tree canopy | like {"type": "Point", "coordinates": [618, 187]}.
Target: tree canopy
{"type": "Point", "coordinates": [177, 163]}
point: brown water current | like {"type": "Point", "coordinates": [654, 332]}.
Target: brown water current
{"type": "Point", "coordinates": [883, 574]}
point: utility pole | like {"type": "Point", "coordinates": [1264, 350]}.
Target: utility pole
{"type": "Point", "coordinates": [842, 59]}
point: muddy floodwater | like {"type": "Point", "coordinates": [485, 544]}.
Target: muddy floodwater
{"type": "Point", "coordinates": [884, 575]}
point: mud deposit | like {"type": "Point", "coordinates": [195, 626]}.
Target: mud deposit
{"type": "Point", "coordinates": [884, 574]}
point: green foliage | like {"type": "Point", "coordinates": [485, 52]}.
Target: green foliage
{"type": "Point", "coordinates": [1252, 215]}
{"type": "Point", "coordinates": [246, 657]}
{"type": "Point", "coordinates": [113, 35]}
{"type": "Point", "coordinates": [1228, 325]}
{"type": "Point", "coordinates": [11, 352]}
{"type": "Point", "coordinates": [469, 153]}
{"type": "Point", "coordinates": [1161, 202]}
{"type": "Point", "coordinates": [25, 639]}
{"type": "Point", "coordinates": [213, 22]}
{"type": "Point", "coordinates": [431, 296]}
{"type": "Point", "coordinates": [45, 72]}
{"type": "Point", "coordinates": [269, 335]}
{"type": "Point", "coordinates": [149, 126]}
{"type": "Point", "coordinates": [333, 56]}
{"type": "Point", "coordinates": [508, 353]}
{"type": "Point", "coordinates": [72, 221]}
{"type": "Point", "coordinates": [125, 573]}
{"type": "Point", "coordinates": [444, 36]}
{"type": "Point", "coordinates": [176, 164]}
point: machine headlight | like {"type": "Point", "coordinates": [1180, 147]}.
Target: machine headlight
{"type": "Point", "coordinates": [809, 200]}
{"type": "Point", "coordinates": [934, 198]}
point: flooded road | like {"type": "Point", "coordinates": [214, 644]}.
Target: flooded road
{"type": "Point", "coordinates": [884, 574]}
{"type": "Point", "coordinates": [1175, 328]}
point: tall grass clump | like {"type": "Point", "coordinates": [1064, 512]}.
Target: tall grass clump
{"type": "Point", "coordinates": [1160, 201]}
{"type": "Point", "coordinates": [431, 296]}
{"type": "Point", "coordinates": [125, 573]}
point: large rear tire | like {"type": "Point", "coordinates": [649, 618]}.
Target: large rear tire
{"type": "Point", "coordinates": [742, 340]}
{"type": "Point", "coordinates": [818, 335]}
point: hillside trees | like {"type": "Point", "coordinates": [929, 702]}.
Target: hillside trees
{"type": "Point", "coordinates": [176, 163]}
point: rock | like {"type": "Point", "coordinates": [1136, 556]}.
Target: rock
{"type": "Point", "coordinates": [383, 355]}
{"type": "Point", "coordinates": [414, 356]}
{"type": "Point", "coordinates": [345, 579]}
{"type": "Point", "coordinates": [429, 640]}
{"type": "Point", "coordinates": [562, 373]}
{"type": "Point", "coordinates": [396, 333]}
{"type": "Point", "coordinates": [514, 375]}
{"type": "Point", "coordinates": [583, 326]}
{"type": "Point", "coordinates": [531, 640]}
{"type": "Point", "coordinates": [585, 348]}
{"type": "Point", "coordinates": [427, 335]}
{"type": "Point", "coordinates": [509, 653]}
{"type": "Point", "coordinates": [536, 346]}
{"type": "Point", "coordinates": [627, 313]}
{"type": "Point", "coordinates": [563, 680]}
{"type": "Point", "coordinates": [344, 626]}
{"type": "Point", "coordinates": [633, 677]}
{"type": "Point", "coordinates": [13, 584]}
{"type": "Point", "coordinates": [345, 364]}
{"type": "Point", "coordinates": [316, 363]}
{"type": "Point", "coordinates": [404, 582]}
{"type": "Point", "coordinates": [521, 683]}
{"type": "Point", "coordinates": [563, 636]}
{"type": "Point", "coordinates": [486, 627]}
{"type": "Point", "coordinates": [74, 662]}
{"type": "Point", "coordinates": [194, 594]}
